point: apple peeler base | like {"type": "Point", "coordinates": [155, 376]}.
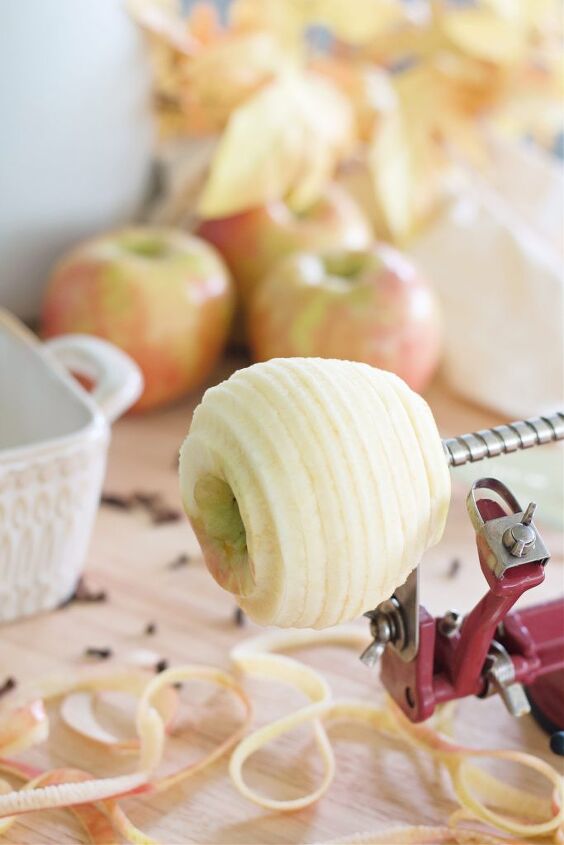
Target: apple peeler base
{"type": "Point", "coordinates": [426, 661]}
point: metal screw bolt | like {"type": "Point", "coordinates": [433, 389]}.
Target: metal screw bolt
{"type": "Point", "coordinates": [528, 515]}
{"type": "Point", "coordinates": [521, 537]}
{"type": "Point", "coordinates": [450, 623]}
{"type": "Point", "coordinates": [372, 654]}
{"type": "Point", "coordinates": [381, 630]}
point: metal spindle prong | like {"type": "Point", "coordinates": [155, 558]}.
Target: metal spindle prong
{"type": "Point", "coordinates": [501, 439]}
{"type": "Point", "coordinates": [529, 513]}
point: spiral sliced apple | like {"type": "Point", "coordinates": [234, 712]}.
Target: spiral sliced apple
{"type": "Point", "coordinates": [314, 487]}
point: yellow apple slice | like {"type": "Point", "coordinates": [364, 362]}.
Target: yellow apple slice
{"type": "Point", "coordinates": [314, 487]}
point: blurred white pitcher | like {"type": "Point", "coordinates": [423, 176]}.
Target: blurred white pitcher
{"type": "Point", "coordinates": [75, 143]}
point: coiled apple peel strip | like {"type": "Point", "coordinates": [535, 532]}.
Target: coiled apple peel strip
{"type": "Point", "coordinates": [524, 815]}
{"type": "Point", "coordinates": [28, 724]}
{"type": "Point", "coordinates": [93, 799]}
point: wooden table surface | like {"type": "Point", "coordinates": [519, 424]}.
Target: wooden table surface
{"type": "Point", "coordinates": [378, 784]}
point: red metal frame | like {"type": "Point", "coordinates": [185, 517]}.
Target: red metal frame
{"type": "Point", "coordinates": [451, 667]}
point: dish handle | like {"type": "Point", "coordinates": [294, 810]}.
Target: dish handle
{"type": "Point", "coordinates": [118, 381]}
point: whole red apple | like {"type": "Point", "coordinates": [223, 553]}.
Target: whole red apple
{"type": "Point", "coordinates": [363, 305]}
{"type": "Point", "coordinates": [251, 242]}
{"type": "Point", "coordinates": [164, 297]}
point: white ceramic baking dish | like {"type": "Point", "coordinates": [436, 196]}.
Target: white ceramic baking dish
{"type": "Point", "coordinates": [53, 442]}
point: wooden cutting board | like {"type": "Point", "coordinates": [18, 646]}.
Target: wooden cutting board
{"type": "Point", "coordinates": [378, 784]}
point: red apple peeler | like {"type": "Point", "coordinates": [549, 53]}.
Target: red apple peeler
{"type": "Point", "coordinates": [520, 655]}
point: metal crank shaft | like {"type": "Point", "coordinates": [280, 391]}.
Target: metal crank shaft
{"type": "Point", "coordinates": [490, 442]}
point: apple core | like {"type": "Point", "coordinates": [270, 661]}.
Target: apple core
{"type": "Point", "coordinates": [224, 535]}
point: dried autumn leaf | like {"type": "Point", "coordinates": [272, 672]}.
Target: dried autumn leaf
{"type": "Point", "coordinates": [484, 35]}
{"type": "Point", "coordinates": [390, 167]}
{"type": "Point", "coordinates": [541, 116]}
{"type": "Point", "coordinates": [328, 129]}
{"type": "Point", "coordinates": [439, 111]}
{"type": "Point", "coordinates": [184, 164]}
{"type": "Point", "coordinates": [474, 85]}
{"type": "Point", "coordinates": [161, 19]}
{"type": "Point", "coordinates": [204, 22]}
{"type": "Point", "coordinates": [285, 141]}
{"type": "Point", "coordinates": [367, 20]}
{"type": "Point", "coordinates": [220, 77]}
{"type": "Point", "coordinates": [368, 88]}
{"type": "Point", "coordinates": [279, 18]}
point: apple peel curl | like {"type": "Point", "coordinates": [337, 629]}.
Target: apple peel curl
{"type": "Point", "coordinates": [77, 712]}
{"type": "Point", "coordinates": [101, 816]}
{"type": "Point", "coordinates": [524, 815]}
{"type": "Point", "coordinates": [45, 792]}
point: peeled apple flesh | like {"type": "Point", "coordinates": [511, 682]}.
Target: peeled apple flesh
{"type": "Point", "coordinates": [314, 487]}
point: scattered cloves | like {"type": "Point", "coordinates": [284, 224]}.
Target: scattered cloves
{"type": "Point", "coordinates": [157, 509]}
{"type": "Point", "coordinates": [179, 561]}
{"type": "Point", "coordinates": [454, 568]}
{"type": "Point", "coordinates": [99, 653]}
{"type": "Point", "coordinates": [161, 666]}
{"type": "Point", "coordinates": [150, 628]}
{"type": "Point", "coordinates": [152, 502]}
{"type": "Point", "coordinates": [7, 686]}
{"type": "Point", "coordinates": [239, 617]}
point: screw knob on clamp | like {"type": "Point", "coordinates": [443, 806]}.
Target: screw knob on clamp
{"type": "Point", "coordinates": [382, 633]}
{"type": "Point", "coordinates": [520, 538]}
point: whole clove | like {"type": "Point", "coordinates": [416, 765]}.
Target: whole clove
{"type": "Point", "coordinates": [163, 514]}
{"type": "Point", "coordinates": [85, 595]}
{"type": "Point", "coordinates": [179, 562]}
{"type": "Point", "coordinates": [150, 629]}
{"type": "Point", "coordinates": [7, 686]}
{"type": "Point", "coordinates": [156, 507]}
{"type": "Point", "coordinates": [146, 500]}
{"type": "Point", "coordinates": [239, 617]}
{"type": "Point", "coordinates": [454, 568]}
{"type": "Point", "coordinates": [100, 653]}
{"type": "Point", "coordinates": [161, 666]}
{"type": "Point", "coordinates": [115, 500]}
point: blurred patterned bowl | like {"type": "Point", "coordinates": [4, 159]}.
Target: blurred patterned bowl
{"type": "Point", "coordinates": [53, 442]}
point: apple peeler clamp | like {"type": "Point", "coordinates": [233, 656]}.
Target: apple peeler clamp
{"type": "Point", "coordinates": [426, 661]}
